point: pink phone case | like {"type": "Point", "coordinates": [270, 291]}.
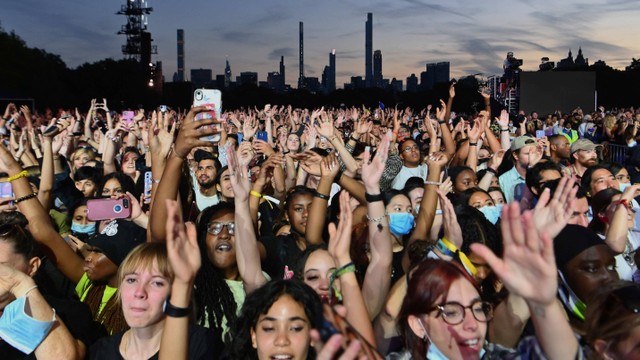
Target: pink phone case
{"type": "Point", "coordinates": [103, 209]}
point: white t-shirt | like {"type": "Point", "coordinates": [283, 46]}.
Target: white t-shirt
{"type": "Point", "coordinates": [406, 173]}
{"type": "Point", "coordinates": [203, 201]}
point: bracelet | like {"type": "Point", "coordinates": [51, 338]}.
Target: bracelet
{"type": "Point", "coordinates": [17, 176]}
{"type": "Point", "coordinates": [26, 197]}
{"type": "Point", "coordinates": [156, 181]}
{"type": "Point", "coordinates": [332, 138]}
{"type": "Point", "coordinates": [491, 170]}
{"type": "Point", "coordinates": [373, 197]}
{"type": "Point", "coordinates": [173, 311]}
{"type": "Point", "coordinates": [449, 249]}
{"type": "Point", "coordinates": [442, 122]}
{"type": "Point", "coordinates": [624, 202]}
{"type": "Point", "coordinates": [429, 182]}
{"type": "Point", "coordinates": [473, 144]}
{"type": "Point", "coordinates": [504, 130]}
{"type": "Point", "coordinates": [354, 139]}
{"type": "Point", "coordinates": [321, 196]}
{"type": "Point", "coordinates": [177, 155]}
{"type": "Point", "coordinates": [350, 267]}
{"type": "Point", "coordinates": [377, 220]}
{"type": "Point", "coordinates": [256, 194]}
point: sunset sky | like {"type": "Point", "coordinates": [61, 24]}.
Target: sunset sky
{"type": "Point", "coordinates": [474, 36]}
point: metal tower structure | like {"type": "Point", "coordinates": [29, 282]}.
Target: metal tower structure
{"type": "Point", "coordinates": [139, 40]}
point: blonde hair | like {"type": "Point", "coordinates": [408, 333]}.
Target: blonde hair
{"type": "Point", "coordinates": [147, 256]}
{"type": "Point", "coordinates": [82, 151]}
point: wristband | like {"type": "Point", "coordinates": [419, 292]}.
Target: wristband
{"type": "Point", "coordinates": [256, 194]}
{"type": "Point", "coordinates": [350, 267]}
{"type": "Point", "coordinates": [373, 197]}
{"type": "Point", "coordinates": [473, 144]}
{"type": "Point", "coordinates": [492, 171]}
{"type": "Point", "coordinates": [175, 312]}
{"type": "Point", "coordinates": [321, 196]}
{"type": "Point", "coordinates": [26, 197]}
{"type": "Point", "coordinates": [17, 176]}
{"type": "Point", "coordinates": [354, 139]}
{"type": "Point", "coordinates": [429, 182]}
{"type": "Point", "coordinates": [442, 122]}
{"type": "Point", "coordinates": [504, 130]}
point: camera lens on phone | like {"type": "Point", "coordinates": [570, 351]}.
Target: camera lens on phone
{"type": "Point", "coordinates": [117, 209]}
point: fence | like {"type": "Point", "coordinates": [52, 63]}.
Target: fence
{"type": "Point", "coordinates": [615, 153]}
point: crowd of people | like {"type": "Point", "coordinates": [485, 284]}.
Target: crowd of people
{"type": "Point", "coordinates": [331, 233]}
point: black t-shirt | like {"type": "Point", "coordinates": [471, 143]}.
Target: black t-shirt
{"type": "Point", "coordinates": [202, 345]}
{"type": "Point", "coordinates": [281, 251]}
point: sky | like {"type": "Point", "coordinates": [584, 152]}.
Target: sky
{"type": "Point", "coordinates": [473, 36]}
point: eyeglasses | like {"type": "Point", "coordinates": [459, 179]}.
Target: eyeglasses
{"type": "Point", "coordinates": [411, 148]}
{"type": "Point", "coordinates": [453, 313]}
{"type": "Point", "coordinates": [215, 228]}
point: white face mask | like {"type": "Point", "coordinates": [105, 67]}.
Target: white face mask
{"type": "Point", "coordinates": [433, 353]}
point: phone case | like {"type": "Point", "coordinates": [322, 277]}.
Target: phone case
{"type": "Point", "coordinates": [212, 98]}
{"type": "Point", "coordinates": [262, 135]}
{"type": "Point", "coordinates": [103, 209]}
{"type": "Point", "coordinates": [148, 184]}
{"type": "Point", "coordinates": [6, 191]}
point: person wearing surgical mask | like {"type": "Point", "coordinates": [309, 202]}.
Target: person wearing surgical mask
{"type": "Point", "coordinates": [401, 223]}
{"type": "Point", "coordinates": [81, 226]}
{"type": "Point", "coordinates": [481, 200]}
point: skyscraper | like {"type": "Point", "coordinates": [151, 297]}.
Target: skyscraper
{"type": "Point", "coordinates": [180, 55]}
{"type": "Point", "coordinates": [282, 71]}
{"type": "Point", "coordinates": [368, 51]}
{"type": "Point", "coordinates": [227, 75]}
{"type": "Point", "coordinates": [412, 83]}
{"type": "Point", "coordinates": [377, 69]}
{"type": "Point", "coordinates": [301, 81]}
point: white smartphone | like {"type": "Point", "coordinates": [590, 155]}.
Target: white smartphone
{"type": "Point", "coordinates": [213, 99]}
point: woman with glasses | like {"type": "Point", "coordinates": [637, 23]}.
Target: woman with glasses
{"type": "Point", "coordinates": [230, 264]}
{"type": "Point", "coordinates": [613, 220]}
{"type": "Point", "coordinates": [444, 317]}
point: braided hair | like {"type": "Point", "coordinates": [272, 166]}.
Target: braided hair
{"type": "Point", "coordinates": [213, 296]}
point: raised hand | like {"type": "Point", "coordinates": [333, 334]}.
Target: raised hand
{"type": "Point", "coordinates": [452, 230]}
{"type": "Point", "coordinates": [239, 176]}
{"type": "Point", "coordinates": [503, 120]}
{"type": "Point", "coordinates": [372, 171]}
{"type": "Point", "coordinates": [496, 159]}
{"type": "Point", "coordinates": [329, 166]}
{"type": "Point", "coordinates": [191, 132]}
{"type": "Point", "coordinates": [249, 127]}
{"type": "Point", "coordinates": [553, 215]}
{"type": "Point", "coordinates": [474, 132]}
{"type": "Point", "coordinates": [325, 126]}
{"type": "Point", "coordinates": [527, 267]}
{"type": "Point", "coordinates": [441, 111]}
{"type": "Point", "coordinates": [340, 236]}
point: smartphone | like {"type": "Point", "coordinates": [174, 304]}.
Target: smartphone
{"type": "Point", "coordinates": [6, 191]}
{"type": "Point", "coordinates": [103, 209]}
{"type": "Point", "coordinates": [148, 184]}
{"type": "Point", "coordinates": [240, 137]}
{"type": "Point", "coordinates": [420, 123]}
{"type": "Point", "coordinates": [213, 99]}
{"type": "Point", "coordinates": [262, 135]}
{"type": "Point", "coordinates": [127, 117]}
{"type": "Point", "coordinates": [540, 134]}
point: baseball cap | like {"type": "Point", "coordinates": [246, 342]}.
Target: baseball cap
{"type": "Point", "coordinates": [522, 141]}
{"type": "Point", "coordinates": [583, 144]}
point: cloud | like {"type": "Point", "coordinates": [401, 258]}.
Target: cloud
{"type": "Point", "coordinates": [285, 51]}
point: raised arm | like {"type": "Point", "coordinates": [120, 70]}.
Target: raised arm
{"type": "Point", "coordinates": [247, 246]}
{"type": "Point", "coordinates": [318, 211]}
{"type": "Point", "coordinates": [528, 269]}
{"type": "Point", "coordinates": [184, 257]}
{"type": "Point", "coordinates": [378, 276]}
{"type": "Point", "coordinates": [188, 138]}
{"type": "Point", "coordinates": [443, 120]}
{"type": "Point", "coordinates": [339, 245]}
{"type": "Point", "coordinates": [618, 230]}
{"type": "Point", "coordinates": [503, 122]}
{"type": "Point", "coordinates": [40, 224]}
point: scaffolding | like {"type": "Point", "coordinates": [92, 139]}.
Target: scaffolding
{"type": "Point", "coordinates": [139, 40]}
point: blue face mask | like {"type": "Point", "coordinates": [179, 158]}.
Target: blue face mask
{"type": "Point", "coordinates": [401, 223]}
{"type": "Point", "coordinates": [623, 187]}
{"type": "Point", "coordinates": [89, 229]}
{"type": "Point", "coordinates": [20, 330]}
{"type": "Point", "coordinates": [433, 353]}
{"type": "Point", "coordinates": [492, 213]}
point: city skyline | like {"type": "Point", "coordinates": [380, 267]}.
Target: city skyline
{"type": "Point", "coordinates": [474, 38]}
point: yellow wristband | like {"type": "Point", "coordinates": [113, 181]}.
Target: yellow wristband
{"type": "Point", "coordinates": [17, 176]}
{"type": "Point", "coordinates": [256, 194]}
{"type": "Point", "coordinates": [471, 269]}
